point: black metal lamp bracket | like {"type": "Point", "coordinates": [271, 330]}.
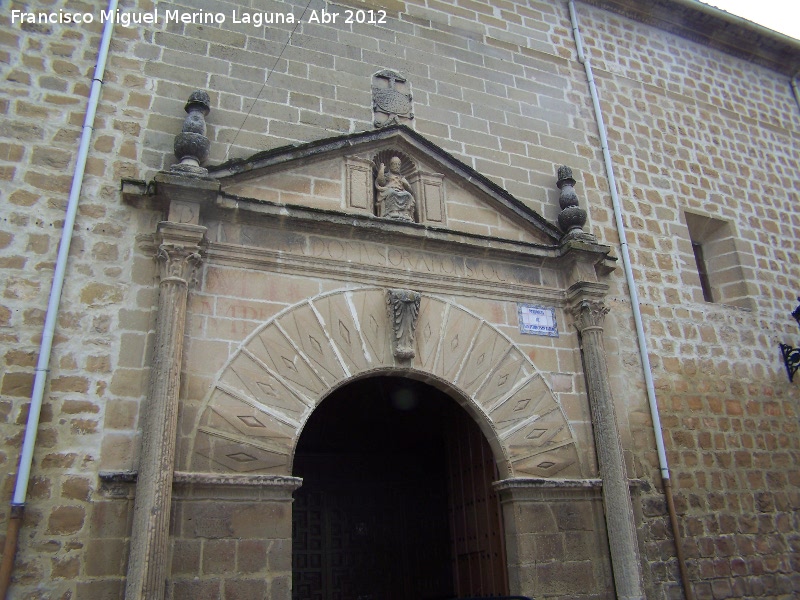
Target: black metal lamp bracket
{"type": "Point", "coordinates": [791, 355]}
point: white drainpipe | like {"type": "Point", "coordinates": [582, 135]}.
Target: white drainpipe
{"type": "Point", "coordinates": [634, 296]}
{"type": "Point", "coordinates": [43, 365]}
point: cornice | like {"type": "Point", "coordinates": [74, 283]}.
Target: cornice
{"type": "Point", "coordinates": [713, 27]}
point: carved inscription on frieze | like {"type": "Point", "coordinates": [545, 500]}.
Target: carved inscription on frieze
{"type": "Point", "coordinates": [378, 255]}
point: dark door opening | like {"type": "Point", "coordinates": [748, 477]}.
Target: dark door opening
{"type": "Point", "coordinates": [396, 502]}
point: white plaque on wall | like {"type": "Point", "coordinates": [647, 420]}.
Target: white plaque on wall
{"type": "Point", "coordinates": [537, 320]}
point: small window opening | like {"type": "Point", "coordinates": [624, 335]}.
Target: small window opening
{"type": "Point", "coordinates": [718, 255]}
{"type": "Point", "coordinates": [702, 271]}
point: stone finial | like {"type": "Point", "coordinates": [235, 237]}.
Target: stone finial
{"type": "Point", "coordinates": [572, 217]}
{"type": "Point", "coordinates": [191, 145]}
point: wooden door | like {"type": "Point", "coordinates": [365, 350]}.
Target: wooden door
{"type": "Point", "coordinates": [395, 504]}
{"type": "Point", "coordinates": [478, 547]}
{"type": "Point", "coordinates": [381, 538]}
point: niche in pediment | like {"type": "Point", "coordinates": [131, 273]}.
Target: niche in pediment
{"type": "Point", "coordinates": [391, 185]}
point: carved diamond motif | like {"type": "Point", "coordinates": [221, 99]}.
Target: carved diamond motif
{"type": "Point", "coordinates": [502, 380]}
{"type": "Point", "coordinates": [267, 389]}
{"type": "Point", "coordinates": [481, 358]}
{"type": "Point", "coordinates": [536, 434]}
{"type": "Point", "coordinates": [241, 457]}
{"type": "Point", "coordinates": [454, 343]}
{"type": "Point", "coordinates": [522, 404]}
{"type": "Point", "coordinates": [427, 332]}
{"type": "Point", "coordinates": [250, 421]}
{"type": "Point", "coordinates": [315, 344]}
{"type": "Point", "coordinates": [546, 464]}
{"type": "Point", "coordinates": [289, 364]}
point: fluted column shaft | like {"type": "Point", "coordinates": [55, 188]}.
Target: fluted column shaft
{"type": "Point", "coordinates": [178, 258]}
{"type": "Point", "coordinates": [626, 565]}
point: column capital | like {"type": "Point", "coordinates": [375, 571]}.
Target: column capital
{"type": "Point", "coordinates": [178, 263]}
{"type": "Point", "coordinates": [179, 253]}
{"type": "Point", "coordinates": [589, 314]}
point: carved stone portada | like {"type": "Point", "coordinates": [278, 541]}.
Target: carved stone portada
{"type": "Point", "coordinates": [403, 313]}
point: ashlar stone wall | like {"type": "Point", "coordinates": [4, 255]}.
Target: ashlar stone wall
{"type": "Point", "coordinates": [73, 541]}
{"type": "Point", "coordinates": [695, 131]}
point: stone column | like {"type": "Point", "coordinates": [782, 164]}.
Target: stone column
{"type": "Point", "coordinates": [589, 315]}
{"type": "Point", "coordinates": [178, 256]}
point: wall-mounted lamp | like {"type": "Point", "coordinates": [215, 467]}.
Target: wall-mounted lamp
{"type": "Point", "coordinates": [791, 355]}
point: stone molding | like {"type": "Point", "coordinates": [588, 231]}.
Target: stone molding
{"type": "Point", "coordinates": [536, 489]}
{"type": "Point", "coordinates": [217, 486]}
{"type": "Point", "coordinates": [117, 484]}
{"type": "Point", "coordinates": [427, 271]}
{"type": "Point", "coordinates": [237, 480]}
{"type": "Point", "coordinates": [428, 259]}
{"type": "Point", "coordinates": [358, 184]}
{"type": "Point", "coordinates": [540, 483]}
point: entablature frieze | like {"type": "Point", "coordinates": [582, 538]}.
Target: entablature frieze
{"type": "Point", "coordinates": [390, 266]}
{"type": "Point", "coordinates": [432, 260]}
{"type": "Point", "coordinates": [436, 262]}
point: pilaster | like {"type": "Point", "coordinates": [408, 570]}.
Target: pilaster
{"type": "Point", "coordinates": [178, 256]}
{"type": "Point", "coordinates": [588, 317]}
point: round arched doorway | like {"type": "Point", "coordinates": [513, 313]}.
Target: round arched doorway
{"type": "Point", "coordinates": [396, 501]}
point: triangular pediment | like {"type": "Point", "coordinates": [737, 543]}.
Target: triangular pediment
{"type": "Point", "coordinates": [339, 175]}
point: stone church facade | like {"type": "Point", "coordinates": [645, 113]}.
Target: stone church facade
{"type": "Point", "coordinates": [355, 320]}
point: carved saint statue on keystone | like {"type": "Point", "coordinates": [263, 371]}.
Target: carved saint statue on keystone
{"type": "Point", "coordinates": [395, 198]}
{"type": "Point", "coordinates": [403, 313]}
